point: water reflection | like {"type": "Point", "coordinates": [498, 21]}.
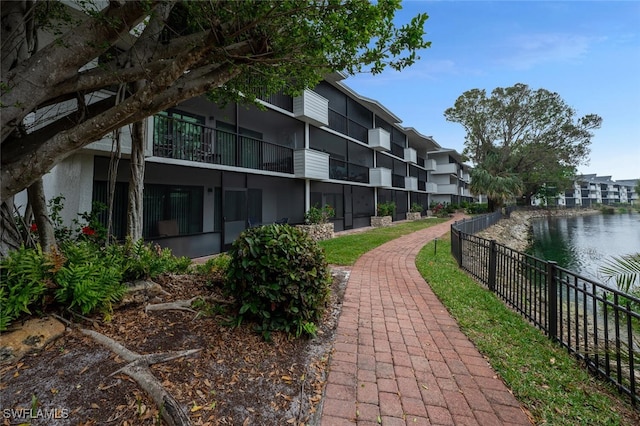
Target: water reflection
{"type": "Point", "coordinates": [583, 243]}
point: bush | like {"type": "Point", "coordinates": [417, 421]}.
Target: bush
{"type": "Point", "coordinates": [477, 208]}
{"type": "Point", "coordinates": [386, 209]}
{"type": "Point", "coordinates": [279, 277]}
{"type": "Point", "coordinates": [316, 215]}
{"type": "Point", "coordinates": [82, 276]}
{"type": "Point", "coordinates": [89, 280]}
{"type": "Point", "coordinates": [141, 261]}
{"type": "Point", "coordinates": [215, 269]}
{"type": "Point", "coordinates": [22, 283]}
{"type": "Point", "coordinates": [416, 208]}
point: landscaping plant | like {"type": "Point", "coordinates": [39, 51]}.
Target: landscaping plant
{"type": "Point", "coordinates": [317, 215]}
{"type": "Point", "coordinates": [386, 209]}
{"type": "Point", "coordinates": [279, 278]}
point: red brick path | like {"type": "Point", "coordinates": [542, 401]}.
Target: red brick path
{"type": "Point", "coordinates": [399, 357]}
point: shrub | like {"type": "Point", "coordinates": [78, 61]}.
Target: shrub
{"type": "Point", "coordinates": [141, 261]}
{"type": "Point", "coordinates": [316, 215]}
{"type": "Point", "coordinates": [22, 283]}
{"type": "Point", "coordinates": [90, 279]}
{"type": "Point", "coordinates": [416, 208]}
{"type": "Point", "coordinates": [215, 269]}
{"type": "Point", "coordinates": [477, 208]}
{"type": "Point", "coordinates": [279, 277]}
{"type": "Point", "coordinates": [386, 209]}
{"type": "Point", "coordinates": [82, 276]}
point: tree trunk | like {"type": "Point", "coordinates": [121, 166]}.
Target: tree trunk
{"type": "Point", "coordinates": [38, 203]}
{"type": "Point", "coordinates": [136, 181]}
{"type": "Point", "coordinates": [10, 238]}
{"type": "Point", "coordinates": [491, 204]}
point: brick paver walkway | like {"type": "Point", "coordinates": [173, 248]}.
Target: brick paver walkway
{"type": "Point", "coordinates": [399, 357]}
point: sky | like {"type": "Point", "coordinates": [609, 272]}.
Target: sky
{"type": "Point", "coordinates": [586, 51]}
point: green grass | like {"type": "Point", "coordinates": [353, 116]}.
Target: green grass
{"type": "Point", "coordinates": [345, 250]}
{"type": "Point", "coordinates": [543, 377]}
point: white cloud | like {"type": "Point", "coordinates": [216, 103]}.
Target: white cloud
{"type": "Point", "coordinates": [525, 51]}
{"type": "Point", "coordinates": [426, 69]}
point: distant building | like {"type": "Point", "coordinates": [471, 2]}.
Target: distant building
{"type": "Point", "coordinates": [592, 190]}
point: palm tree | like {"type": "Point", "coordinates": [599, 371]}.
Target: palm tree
{"type": "Point", "coordinates": [497, 188]}
{"type": "Point", "coordinates": [625, 270]}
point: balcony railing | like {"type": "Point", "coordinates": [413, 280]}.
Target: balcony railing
{"type": "Point", "coordinates": [342, 170]}
{"type": "Point", "coordinates": [397, 181]}
{"type": "Point", "coordinates": [344, 125]}
{"type": "Point", "coordinates": [183, 140]}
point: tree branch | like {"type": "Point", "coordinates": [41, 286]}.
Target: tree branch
{"type": "Point", "coordinates": [61, 61]}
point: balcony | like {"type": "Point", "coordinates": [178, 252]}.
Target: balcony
{"type": "Point", "coordinates": [311, 164]}
{"type": "Point", "coordinates": [379, 139]}
{"type": "Point", "coordinates": [446, 169]}
{"type": "Point", "coordinates": [346, 126]}
{"type": "Point", "coordinates": [397, 181]}
{"type": "Point", "coordinates": [311, 108]}
{"type": "Point", "coordinates": [430, 165]}
{"type": "Point", "coordinates": [448, 189]}
{"type": "Point", "coordinates": [342, 170]}
{"type": "Point", "coordinates": [431, 188]}
{"type": "Point", "coordinates": [411, 183]}
{"type": "Point", "coordinates": [410, 155]}
{"type": "Point", "coordinates": [380, 177]}
{"type": "Point", "coordinates": [181, 140]}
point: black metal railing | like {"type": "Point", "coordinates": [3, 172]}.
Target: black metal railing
{"type": "Point", "coordinates": [182, 140]}
{"type": "Point", "coordinates": [346, 126]}
{"type": "Point", "coordinates": [598, 324]}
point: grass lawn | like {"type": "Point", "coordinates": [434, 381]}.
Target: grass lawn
{"type": "Point", "coordinates": [543, 377]}
{"type": "Point", "coordinates": [346, 249]}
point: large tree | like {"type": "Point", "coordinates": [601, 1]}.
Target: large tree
{"type": "Point", "coordinates": [522, 140]}
{"type": "Point", "coordinates": [225, 48]}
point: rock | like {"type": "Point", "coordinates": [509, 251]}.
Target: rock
{"type": "Point", "coordinates": [32, 335]}
{"type": "Point", "coordinates": [319, 231]}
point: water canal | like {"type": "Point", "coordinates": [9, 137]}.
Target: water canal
{"type": "Point", "coordinates": [584, 243]}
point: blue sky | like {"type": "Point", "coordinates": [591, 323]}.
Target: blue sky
{"type": "Point", "coordinates": [586, 51]}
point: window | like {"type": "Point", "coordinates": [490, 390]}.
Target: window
{"type": "Point", "coordinates": [120, 201]}
{"type": "Point", "coordinates": [167, 202]}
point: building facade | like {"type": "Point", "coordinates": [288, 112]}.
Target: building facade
{"type": "Point", "coordinates": [213, 171]}
{"type": "Point", "coordinates": [591, 190]}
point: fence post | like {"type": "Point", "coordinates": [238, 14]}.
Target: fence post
{"type": "Point", "coordinates": [492, 265]}
{"type": "Point", "coordinates": [460, 247]}
{"type": "Point", "coordinates": [552, 301]}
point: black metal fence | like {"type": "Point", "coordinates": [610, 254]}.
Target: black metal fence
{"type": "Point", "coordinates": [598, 324]}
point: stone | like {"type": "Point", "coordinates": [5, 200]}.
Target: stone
{"type": "Point", "coordinates": [319, 231]}
{"type": "Point", "coordinates": [381, 221]}
{"type": "Point", "coordinates": [33, 334]}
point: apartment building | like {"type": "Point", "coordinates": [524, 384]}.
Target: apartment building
{"type": "Point", "coordinates": [451, 177]}
{"type": "Point", "coordinates": [213, 171]}
{"type": "Point", "coordinates": [591, 190]}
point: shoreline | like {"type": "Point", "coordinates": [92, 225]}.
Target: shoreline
{"type": "Point", "coordinates": [515, 231]}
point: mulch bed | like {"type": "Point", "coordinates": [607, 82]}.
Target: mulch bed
{"type": "Point", "coordinates": [236, 378]}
